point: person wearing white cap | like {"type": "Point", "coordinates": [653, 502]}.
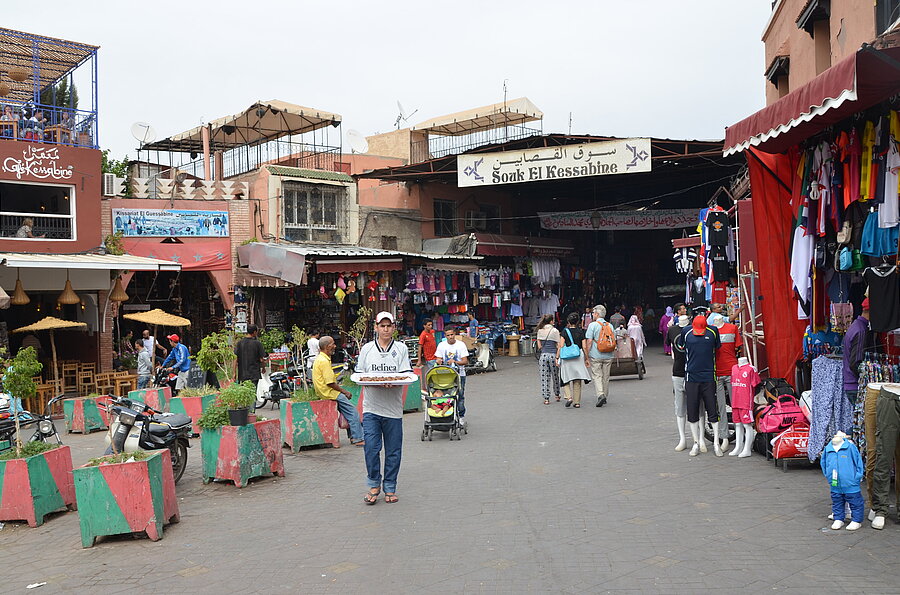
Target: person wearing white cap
{"type": "Point", "coordinates": [383, 409]}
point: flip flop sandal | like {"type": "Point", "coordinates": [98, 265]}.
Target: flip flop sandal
{"type": "Point", "coordinates": [371, 498]}
{"type": "Point", "coordinates": [568, 402]}
{"type": "Point", "coordinates": [577, 405]}
{"type": "Point", "coordinates": [546, 401]}
{"type": "Point", "coordinates": [390, 498]}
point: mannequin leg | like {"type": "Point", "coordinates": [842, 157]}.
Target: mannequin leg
{"type": "Point", "coordinates": [697, 436]}
{"type": "Point", "coordinates": [749, 435]}
{"type": "Point", "coordinates": [682, 440]}
{"type": "Point", "coordinates": [702, 440]}
{"type": "Point", "coordinates": [738, 440]}
{"type": "Point", "coordinates": [717, 448]}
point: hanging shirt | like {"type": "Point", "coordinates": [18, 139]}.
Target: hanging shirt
{"type": "Point", "coordinates": [801, 261]}
{"type": "Point", "coordinates": [719, 263]}
{"type": "Point", "coordinates": [884, 295]}
{"type": "Point", "coordinates": [865, 171]}
{"type": "Point", "coordinates": [717, 227]}
{"type": "Point", "coordinates": [889, 210]}
{"type": "Point", "coordinates": [851, 153]}
{"type": "Point", "coordinates": [684, 260]}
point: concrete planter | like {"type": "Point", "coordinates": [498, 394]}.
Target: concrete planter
{"type": "Point", "coordinates": [310, 424]}
{"type": "Point", "coordinates": [158, 398]}
{"type": "Point", "coordinates": [34, 487]}
{"type": "Point", "coordinates": [192, 407]}
{"type": "Point", "coordinates": [126, 498]}
{"type": "Point", "coordinates": [238, 453]}
{"type": "Point", "coordinates": [85, 414]}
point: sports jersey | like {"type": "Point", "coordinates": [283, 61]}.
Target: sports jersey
{"type": "Point", "coordinates": [677, 350]}
{"type": "Point", "coordinates": [726, 355]}
{"type": "Point", "coordinates": [700, 354]}
{"type": "Point", "coordinates": [743, 380]}
{"type": "Point", "coordinates": [684, 260]}
{"type": "Point", "coordinates": [386, 402]}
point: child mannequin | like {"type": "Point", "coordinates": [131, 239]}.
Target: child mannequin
{"type": "Point", "coordinates": [843, 468]}
{"type": "Point", "coordinates": [744, 380]}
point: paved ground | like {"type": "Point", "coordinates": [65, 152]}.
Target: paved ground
{"type": "Point", "coordinates": [535, 499]}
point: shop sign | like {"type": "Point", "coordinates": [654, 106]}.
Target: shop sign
{"type": "Point", "coordinates": [38, 162]}
{"type": "Point", "coordinates": [623, 156]}
{"type": "Point", "coordinates": [166, 223]}
{"type": "Point", "coordinates": [587, 220]}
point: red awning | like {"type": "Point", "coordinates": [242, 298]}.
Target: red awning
{"type": "Point", "coordinates": [855, 83]}
{"type": "Point", "coordinates": [193, 254]}
{"type": "Point", "coordinates": [489, 244]}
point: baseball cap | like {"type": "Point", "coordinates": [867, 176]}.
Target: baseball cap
{"type": "Point", "coordinates": [173, 337]}
{"type": "Point", "coordinates": [699, 325]}
{"type": "Point", "coordinates": [865, 304]}
{"type": "Point", "coordinates": [382, 315]}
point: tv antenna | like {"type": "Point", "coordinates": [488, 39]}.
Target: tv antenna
{"type": "Point", "coordinates": [143, 132]}
{"type": "Point", "coordinates": [357, 141]}
{"type": "Point", "coordinates": [403, 116]}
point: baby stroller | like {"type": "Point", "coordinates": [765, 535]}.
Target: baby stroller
{"type": "Point", "coordinates": [442, 387]}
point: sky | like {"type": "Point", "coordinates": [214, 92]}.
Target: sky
{"type": "Point", "coordinates": [623, 68]}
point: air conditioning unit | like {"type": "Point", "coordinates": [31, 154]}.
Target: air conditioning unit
{"type": "Point", "coordinates": [476, 220]}
{"type": "Point", "coordinates": [113, 185]}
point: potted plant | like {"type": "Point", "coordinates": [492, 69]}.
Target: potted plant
{"type": "Point", "coordinates": [217, 354]}
{"type": "Point", "coordinates": [308, 420]}
{"type": "Point", "coordinates": [237, 399]}
{"type": "Point", "coordinates": [126, 493]}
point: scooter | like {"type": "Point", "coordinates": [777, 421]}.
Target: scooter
{"type": "Point", "coordinates": [283, 384]}
{"type": "Point", "coordinates": [137, 426]}
{"type": "Point", "coordinates": [481, 357]}
{"type": "Point", "coordinates": [44, 428]}
{"type": "Point", "coordinates": [164, 378]}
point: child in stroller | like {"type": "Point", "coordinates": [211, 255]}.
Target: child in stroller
{"type": "Point", "coordinates": [442, 387]}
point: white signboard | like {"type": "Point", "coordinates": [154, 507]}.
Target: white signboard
{"type": "Point", "coordinates": [661, 219]}
{"type": "Point", "coordinates": [624, 156]}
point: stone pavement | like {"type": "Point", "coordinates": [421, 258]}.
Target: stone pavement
{"type": "Point", "coordinates": [535, 499]}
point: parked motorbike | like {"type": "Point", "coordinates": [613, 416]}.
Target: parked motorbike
{"type": "Point", "coordinates": [481, 357]}
{"type": "Point", "coordinates": [135, 426]}
{"type": "Point", "coordinates": [164, 377]}
{"type": "Point", "coordinates": [283, 384]}
{"type": "Point", "coordinates": [44, 428]}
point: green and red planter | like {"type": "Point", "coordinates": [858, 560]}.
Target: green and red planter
{"type": "Point", "coordinates": [133, 497]}
{"type": "Point", "coordinates": [309, 423]}
{"type": "Point", "coordinates": [192, 407]}
{"type": "Point", "coordinates": [33, 487]}
{"type": "Point", "coordinates": [158, 398]}
{"type": "Point", "coordinates": [239, 453]}
{"type": "Point", "coordinates": [85, 414]}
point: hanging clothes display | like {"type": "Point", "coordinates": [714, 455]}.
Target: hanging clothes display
{"type": "Point", "coordinates": [831, 411]}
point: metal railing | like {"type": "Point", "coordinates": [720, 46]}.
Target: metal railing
{"type": "Point", "coordinates": [48, 124]}
{"type": "Point", "coordinates": [437, 146]}
{"type": "Point", "coordinates": [50, 227]}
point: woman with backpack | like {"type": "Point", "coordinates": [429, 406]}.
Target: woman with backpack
{"type": "Point", "coordinates": [547, 340]}
{"type": "Point", "coordinates": [573, 360]}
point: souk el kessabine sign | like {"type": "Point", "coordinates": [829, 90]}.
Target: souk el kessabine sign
{"type": "Point", "coordinates": [164, 223]}
{"type": "Point", "coordinates": [659, 219]}
{"type": "Point", "coordinates": [622, 156]}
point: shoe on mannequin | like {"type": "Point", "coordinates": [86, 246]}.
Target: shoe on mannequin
{"type": "Point", "coordinates": [717, 449]}
{"type": "Point", "coordinates": [724, 446]}
{"type": "Point", "coordinates": [878, 522]}
{"type": "Point", "coordinates": [749, 435]}
{"type": "Point", "coordinates": [682, 441]}
{"type": "Point", "coordinates": [837, 525]}
{"type": "Point", "coordinates": [738, 440]}
{"type": "Point", "coordinates": [871, 515]}
{"type": "Point", "coordinates": [702, 441]}
{"type": "Point", "coordinates": [697, 436]}
{"type": "Point", "coordinates": [854, 526]}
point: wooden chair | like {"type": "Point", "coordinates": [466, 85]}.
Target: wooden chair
{"type": "Point", "coordinates": [70, 375]}
{"type": "Point", "coordinates": [86, 382]}
{"type": "Point", "coordinates": [84, 366]}
{"type": "Point", "coordinates": [106, 383]}
{"type": "Point", "coordinates": [125, 384]}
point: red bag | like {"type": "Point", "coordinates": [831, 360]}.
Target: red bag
{"type": "Point", "coordinates": [780, 415]}
{"type": "Point", "coordinates": [792, 443]}
{"type": "Point", "coordinates": [342, 422]}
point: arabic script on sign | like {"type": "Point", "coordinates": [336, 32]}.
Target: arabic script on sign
{"type": "Point", "coordinates": [37, 162]}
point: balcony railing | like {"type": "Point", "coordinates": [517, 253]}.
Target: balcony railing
{"type": "Point", "coordinates": [437, 146]}
{"type": "Point", "coordinates": [49, 227]}
{"type": "Point", "coordinates": [48, 124]}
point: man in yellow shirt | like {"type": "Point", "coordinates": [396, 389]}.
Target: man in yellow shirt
{"type": "Point", "coordinates": [326, 386]}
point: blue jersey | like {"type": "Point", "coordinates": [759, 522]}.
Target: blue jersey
{"type": "Point", "coordinates": [700, 354]}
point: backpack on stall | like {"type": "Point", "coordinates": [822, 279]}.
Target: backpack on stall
{"type": "Point", "coordinates": [780, 415]}
{"type": "Point", "coordinates": [606, 342]}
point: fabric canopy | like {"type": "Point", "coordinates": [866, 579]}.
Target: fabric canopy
{"type": "Point", "coordinates": [193, 254]}
{"type": "Point", "coordinates": [771, 178]}
{"type": "Point", "coordinates": [855, 83]}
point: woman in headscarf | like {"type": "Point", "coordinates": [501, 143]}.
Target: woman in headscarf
{"type": "Point", "coordinates": [636, 332]}
{"type": "Point", "coordinates": [664, 329]}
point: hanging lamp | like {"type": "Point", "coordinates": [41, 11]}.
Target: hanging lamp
{"type": "Point", "coordinates": [118, 293]}
{"type": "Point", "coordinates": [4, 90]}
{"type": "Point", "coordinates": [19, 297]}
{"type": "Point", "coordinates": [18, 73]}
{"type": "Point", "coordinates": [68, 295]}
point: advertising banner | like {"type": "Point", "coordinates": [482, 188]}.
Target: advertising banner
{"type": "Point", "coordinates": [165, 223]}
{"type": "Point", "coordinates": [661, 219]}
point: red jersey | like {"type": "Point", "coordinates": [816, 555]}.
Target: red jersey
{"type": "Point", "coordinates": [428, 345]}
{"type": "Point", "coordinates": [726, 355]}
{"type": "Point", "coordinates": [743, 380]}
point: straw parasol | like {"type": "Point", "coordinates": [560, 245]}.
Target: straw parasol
{"type": "Point", "coordinates": [157, 317]}
{"type": "Point", "coordinates": [52, 324]}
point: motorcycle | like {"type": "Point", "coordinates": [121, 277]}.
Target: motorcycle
{"type": "Point", "coordinates": [44, 428]}
{"type": "Point", "coordinates": [283, 384]}
{"type": "Point", "coordinates": [164, 377]}
{"type": "Point", "coordinates": [135, 426]}
{"type": "Point", "coordinates": [481, 357]}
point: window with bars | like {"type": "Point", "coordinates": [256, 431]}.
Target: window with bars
{"type": "Point", "coordinates": [444, 217]}
{"type": "Point", "coordinates": [37, 211]}
{"type": "Point", "coordinates": [314, 212]}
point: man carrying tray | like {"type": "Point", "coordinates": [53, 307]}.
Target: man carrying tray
{"type": "Point", "coordinates": [383, 408]}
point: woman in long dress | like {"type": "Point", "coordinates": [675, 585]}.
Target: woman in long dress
{"type": "Point", "coordinates": [573, 372]}
{"type": "Point", "coordinates": [664, 329]}
{"type": "Point", "coordinates": [636, 332]}
{"type": "Point", "coordinates": [547, 341]}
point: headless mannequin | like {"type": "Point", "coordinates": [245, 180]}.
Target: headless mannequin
{"type": "Point", "coordinates": [743, 433]}
{"type": "Point", "coordinates": [837, 441]}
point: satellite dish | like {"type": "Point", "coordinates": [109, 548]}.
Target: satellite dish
{"type": "Point", "coordinates": [358, 143]}
{"type": "Point", "coordinates": [403, 116]}
{"type": "Point", "coordinates": [143, 132]}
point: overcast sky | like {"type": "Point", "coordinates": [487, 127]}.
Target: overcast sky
{"type": "Point", "coordinates": [655, 68]}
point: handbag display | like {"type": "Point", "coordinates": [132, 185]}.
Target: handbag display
{"type": "Point", "coordinates": [570, 351]}
{"type": "Point", "coordinates": [780, 415]}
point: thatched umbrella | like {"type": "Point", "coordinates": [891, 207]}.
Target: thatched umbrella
{"type": "Point", "coordinates": [157, 318]}
{"type": "Point", "coordinates": [52, 324]}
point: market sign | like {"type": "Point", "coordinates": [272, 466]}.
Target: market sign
{"type": "Point", "coordinates": [166, 223]}
{"type": "Point", "coordinates": [623, 156]}
{"type": "Point", "coordinates": [591, 220]}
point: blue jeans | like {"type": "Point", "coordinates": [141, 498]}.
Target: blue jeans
{"type": "Point", "coordinates": [351, 415]}
{"type": "Point", "coordinates": [857, 507]}
{"type": "Point", "coordinates": [388, 431]}
{"type": "Point", "coordinates": [143, 381]}
{"type": "Point", "coordinates": [461, 400]}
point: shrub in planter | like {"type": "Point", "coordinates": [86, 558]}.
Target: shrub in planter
{"type": "Point", "coordinates": [35, 481]}
{"type": "Point", "coordinates": [307, 420]}
{"type": "Point", "coordinates": [237, 399]}
{"type": "Point", "coordinates": [126, 493]}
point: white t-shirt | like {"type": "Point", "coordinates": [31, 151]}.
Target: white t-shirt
{"type": "Point", "coordinates": [452, 353]}
{"type": "Point", "coordinates": [148, 345]}
{"type": "Point", "coordinates": [313, 346]}
{"type": "Point", "coordinates": [386, 402]}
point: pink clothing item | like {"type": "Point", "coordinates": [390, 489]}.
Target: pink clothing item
{"type": "Point", "coordinates": [743, 380]}
{"type": "Point", "coordinates": [741, 416]}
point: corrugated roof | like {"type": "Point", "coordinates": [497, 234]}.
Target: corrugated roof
{"type": "Point", "coordinates": [86, 261]}
{"type": "Point", "coordinates": [313, 174]}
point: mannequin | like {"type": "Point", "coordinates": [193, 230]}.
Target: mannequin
{"type": "Point", "coordinates": [744, 380]}
{"type": "Point", "coordinates": [843, 468]}
{"type": "Point", "coordinates": [699, 344]}
{"type": "Point", "coordinates": [672, 334]}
